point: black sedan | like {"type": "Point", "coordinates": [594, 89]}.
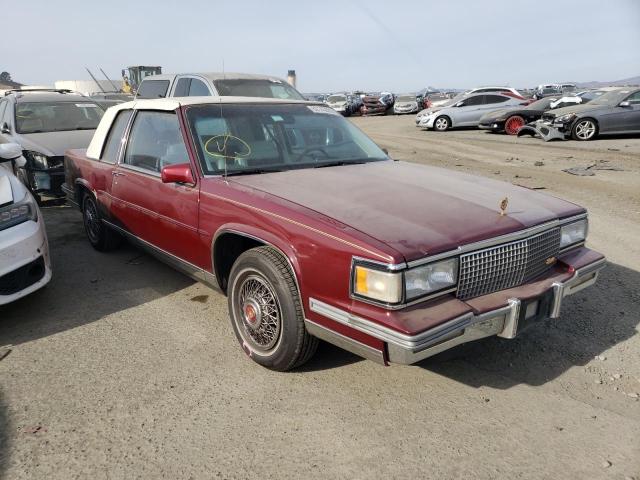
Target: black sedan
{"type": "Point", "coordinates": [510, 120]}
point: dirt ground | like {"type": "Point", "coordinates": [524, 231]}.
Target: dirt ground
{"type": "Point", "coordinates": [124, 368]}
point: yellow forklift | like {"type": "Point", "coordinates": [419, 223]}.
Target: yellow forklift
{"type": "Point", "coordinates": [132, 76]}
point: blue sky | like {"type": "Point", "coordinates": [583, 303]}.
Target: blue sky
{"type": "Point", "coordinates": [332, 45]}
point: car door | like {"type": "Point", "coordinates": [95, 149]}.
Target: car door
{"type": "Point", "coordinates": [491, 103]}
{"type": "Point", "coordinates": [465, 114]}
{"type": "Point", "coordinates": [630, 115]}
{"type": "Point", "coordinates": [104, 169]}
{"type": "Point", "coordinates": [164, 215]}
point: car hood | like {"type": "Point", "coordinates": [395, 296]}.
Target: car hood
{"type": "Point", "coordinates": [415, 209]}
{"type": "Point", "coordinates": [55, 144]}
{"type": "Point", "coordinates": [580, 108]}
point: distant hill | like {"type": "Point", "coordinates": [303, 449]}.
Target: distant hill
{"type": "Point", "coordinates": [615, 83]}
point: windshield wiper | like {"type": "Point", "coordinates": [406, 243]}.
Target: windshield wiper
{"type": "Point", "coordinates": [340, 163]}
{"type": "Point", "coordinates": [252, 171]}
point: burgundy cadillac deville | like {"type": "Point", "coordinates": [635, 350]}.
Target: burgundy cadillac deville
{"type": "Point", "coordinates": [314, 233]}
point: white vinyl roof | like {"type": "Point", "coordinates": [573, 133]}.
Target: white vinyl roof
{"type": "Point", "coordinates": [170, 104]}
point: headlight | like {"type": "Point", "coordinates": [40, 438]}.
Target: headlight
{"type": "Point", "coordinates": [377, 285]}
{"type": "Point", "coordinates": [404, 286]}
{"type": "Point", "coordinates": [566, 118]}
{"type": "Point", "coordinates": [39, 160]}
{"type": "Point", "coordinates": [574, 232]}
{"type": "Point", "coordinates": [431, 278]}
{"type": "Point", "coordinates": [18, 212]}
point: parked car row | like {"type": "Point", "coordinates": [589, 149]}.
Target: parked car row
{"type": "Point", "coordinates": [614, 112]}
{"type": "Point", "coordinates": [580, 116]}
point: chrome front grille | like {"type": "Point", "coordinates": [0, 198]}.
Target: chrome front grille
{"type": "Point", "coordinates": [507, 265]}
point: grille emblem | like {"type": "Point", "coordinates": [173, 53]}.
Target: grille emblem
{"type": "Point", "coordinates": [550, 260]}
{"type": "Point", "coordinates": [503, 206]}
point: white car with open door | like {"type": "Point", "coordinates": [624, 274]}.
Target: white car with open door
{"type": "Point", "coordinates": [25, 265]}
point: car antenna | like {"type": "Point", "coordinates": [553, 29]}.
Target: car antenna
{"type": "Point", "coordinates": [224, 157]}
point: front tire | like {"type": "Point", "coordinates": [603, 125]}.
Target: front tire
{"type": "Point", "coordinates": [442, 124]}
{"type": "Point", "coordinates": [101, 237]}
{"type": "Point", "coordinates": [266, 311]}
{"type": "Point", "coordinates": [584, 129]}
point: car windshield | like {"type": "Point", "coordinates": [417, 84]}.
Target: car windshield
{"type": "Point", "coordinates": [256, 138]}
{"type": "Point", "coordinates": [611, 98]}
{"type": "Point", "coordinates": [336, 98]}
{"type": "Point", "coordinates": [38, 117]}
{"type": "Point", "coordinates": [406, 98]}
{"type": "Point", "coordinates": [257, 88]}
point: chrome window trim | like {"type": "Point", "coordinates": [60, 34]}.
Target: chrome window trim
{"type": "Point", "coordinates": [145, 171]}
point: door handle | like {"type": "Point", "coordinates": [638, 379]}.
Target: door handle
{"type": "Point", "coordinates": [118, 174]}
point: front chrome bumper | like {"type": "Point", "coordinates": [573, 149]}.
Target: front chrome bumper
{"type": "Point", "coordinates": [502, 322]}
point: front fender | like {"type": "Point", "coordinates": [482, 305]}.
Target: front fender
{"type": "Point", "coordinates": [262, 236]}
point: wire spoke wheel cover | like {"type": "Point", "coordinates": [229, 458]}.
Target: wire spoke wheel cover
{"type": "Point", "coordinates": [585, 129]}
{"type": "Point", "coordinates": [258, 312]}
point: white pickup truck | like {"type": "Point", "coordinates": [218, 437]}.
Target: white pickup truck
{"type": "Point", "coordinates": [216, 84]}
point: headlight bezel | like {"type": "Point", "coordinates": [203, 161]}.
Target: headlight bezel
{"type": "Point", "coordinates": [399, 275]}
{"type": "Point", "coordinates": [577, 241]}
{"type": "Point", "coordinates": [27, 203]}
{"type": "Point", "coordinates": [567, 118]}
{"type": "Point", "coordinates": [36, 160]}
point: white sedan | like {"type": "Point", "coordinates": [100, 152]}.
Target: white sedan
{"type": "Point", "coordinates": [25, 265]}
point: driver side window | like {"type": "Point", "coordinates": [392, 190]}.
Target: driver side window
{"type": "Point", "coordinates": [155, 141]}
{"type": "Point", "coordinates": [634, 99]}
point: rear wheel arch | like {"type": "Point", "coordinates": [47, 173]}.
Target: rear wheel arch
{"type": "Point", "coordinates": [80, 190]}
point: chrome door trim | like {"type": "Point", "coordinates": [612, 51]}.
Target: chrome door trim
{"type": "Point", "coordinates": [178, 263]}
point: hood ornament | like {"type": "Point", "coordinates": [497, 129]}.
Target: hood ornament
{"type": "Point", "coordinates": [503, 206]}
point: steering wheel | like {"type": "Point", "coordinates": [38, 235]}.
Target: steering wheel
{"type": "Point", "coordinates": [310, 150]}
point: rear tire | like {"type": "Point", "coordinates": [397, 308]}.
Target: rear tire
{"type": "Point", "coordinates": [584, 129]}
{"type": "Point", "coordinates": [442, 124]}
{"type": "Point", "coordinates": [513, 124]}
{"type": "Point", "coordinates": [101, 237]}
{"type": "Point", "coordinates": [266, 311]}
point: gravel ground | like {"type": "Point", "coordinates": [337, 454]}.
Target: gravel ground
{"type": "Point", "coordinates": [124, 368]}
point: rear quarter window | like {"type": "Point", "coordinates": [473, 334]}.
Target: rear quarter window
{"type": "Point", "coordinates": [114, 139]}
{"type": "Point", "coordinates": [153, 89]}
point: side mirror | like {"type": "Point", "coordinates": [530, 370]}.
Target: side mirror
{"type": "Point", "coordinates": [624, 104]}
{"type": "Point", "coordinates": [10, 151]}
{"type": "Point", "coordinates": [5, 128]}
{"type": "Point", "coordinates": [178, 173]}
{"type": "Point", "coordinates": [460, 104]}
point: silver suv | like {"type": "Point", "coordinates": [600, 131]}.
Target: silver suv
{"type": "Point", "coordinates": [216, 84]}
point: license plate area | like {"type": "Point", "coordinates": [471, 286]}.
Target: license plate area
{"type": "Point", "coordinates": [534, 310]}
